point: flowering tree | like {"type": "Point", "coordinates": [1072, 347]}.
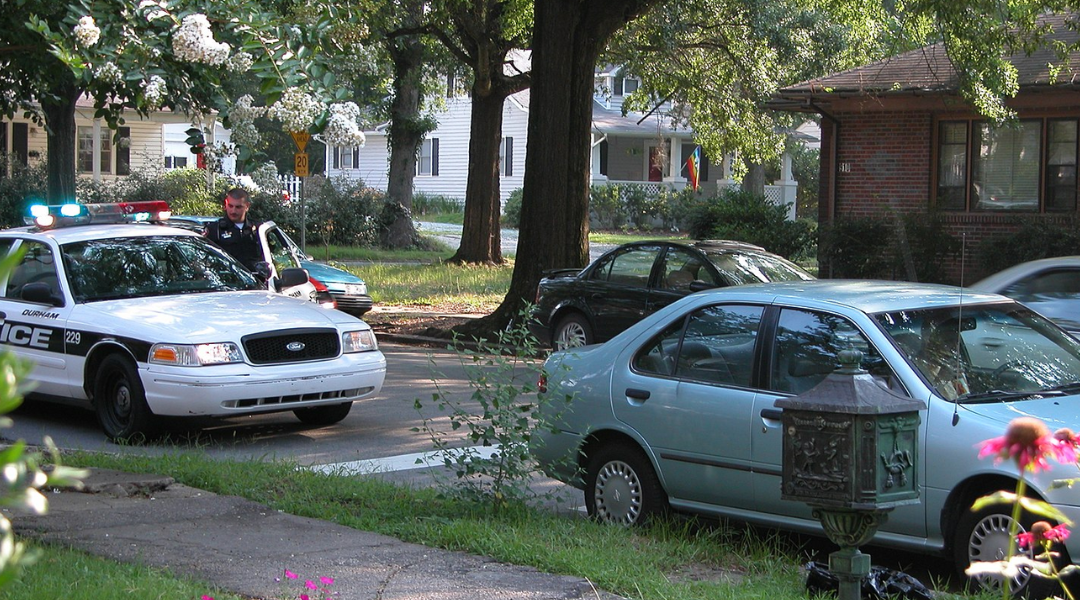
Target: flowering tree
{"type": "Point", "coordinates": [145, 55]}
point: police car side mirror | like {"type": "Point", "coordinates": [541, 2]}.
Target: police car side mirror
{"type": "Point", "coordinates": [291, 277]}
{"type": "Point", "coordinates": [39, 292]}
{"type": "Point", "coordinates": [263, 270]}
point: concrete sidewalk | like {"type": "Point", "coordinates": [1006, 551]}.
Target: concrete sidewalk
{"type": "Point", "coordinates": [242, 546]}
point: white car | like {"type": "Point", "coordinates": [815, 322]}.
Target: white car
{"type": "Point", "coordinates": [142, 322]}
{"type": "Point", "coordinates": [1050, 286]}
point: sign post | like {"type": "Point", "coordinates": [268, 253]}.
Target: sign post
{"type": "Point", "coordinates": [300, 167]}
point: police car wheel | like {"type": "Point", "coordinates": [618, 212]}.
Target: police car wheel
{"type": "Point", "coordinates": [323, 415]}
{"type": "Point", "coordinates": [120, 401]}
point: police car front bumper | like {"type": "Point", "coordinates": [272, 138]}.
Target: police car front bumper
{"type": "Point", "coordinates": [238, 389]}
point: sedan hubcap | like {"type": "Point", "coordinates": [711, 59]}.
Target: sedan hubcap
{"type": "Point", "coordinates": [572, 336]}
{"type": "Point", "coordinates": [990, 542]}
{"type": "Point", "coordinates": [618, 494]}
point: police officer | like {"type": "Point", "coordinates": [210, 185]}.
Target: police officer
{"type": "Point", "coordinates": [234, 232]}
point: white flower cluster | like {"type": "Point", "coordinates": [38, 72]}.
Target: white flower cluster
{"type": "Point", "coordinates": [87, 32]}
{"type": "Point", "coordinates": [109, 73]}
{"type": "Point", "coordinates": [343, 127]}
{"type": "Point", "coordinates": [239, 62]}
{"type": "Point", "coordinates": [265, 177]}
{"type": "Point", "coordinates": [215, 152]}
{"type": "Point", "coordinates": [194, 42]}
{"type": "Point", "coordinates": [296, 110]}
{"type": "Point", "coordinates": [242, 117]}
{"type": "Point", "coordinates": [154, 9]}
{"type": "Point", "coordinates": [154, 91]}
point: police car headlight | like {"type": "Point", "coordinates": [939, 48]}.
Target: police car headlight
{"type": "Point", "coordinates": [195, 355]}
{"type": "Point", "coordinates": [358, 341]}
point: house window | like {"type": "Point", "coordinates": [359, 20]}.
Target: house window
{"type": "Point", "coordinates": [624, 86]}
{"type": "Point", "coordinates": [1029, 166]}
{"type": "Point", "coordinates": [175, 162]}
{"type": "Point", "coordinates": [20, 142]}
{"type": "Point", "coordinates": [506, 157]}
{"type": "Point", "coordinates": [86, 150]}
{"type": "Point", "coordinates": [346, 158]}
{"type": "Point", "coordinates": [428, 163]}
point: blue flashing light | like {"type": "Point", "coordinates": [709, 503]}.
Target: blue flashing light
{"type": "Point", "coordinates": [38, 210]}
{"type": "Point", "coordinates": [71, 210]}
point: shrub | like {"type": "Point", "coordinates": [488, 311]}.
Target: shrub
{"type": "Point", "coordinates": [342, 212]}
{"type": "Point", "coordinates": [423, 204]}
{"type": "Point", "coordinates": [875, 249]}
{"type": "Point", "coordinates": [511, 212]}
{"type": "Point", "coordinates": [606, 210]}
{"type": "Point", "coordinates": [1034, 239]}
{"type": "Point", "coordinates": [24, 187]}
{"type": "Point", "coordinates": [748, 217]}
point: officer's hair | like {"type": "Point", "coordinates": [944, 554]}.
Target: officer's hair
{"type": "Point", "coordinates": [239, 194]}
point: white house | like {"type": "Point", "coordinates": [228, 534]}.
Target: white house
{"type": "Point", "coordinates": [630, 150]}
{"type": "Point", "coordinates": [142, 143]}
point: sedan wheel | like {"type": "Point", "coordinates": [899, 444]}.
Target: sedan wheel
{"type": "Point", "coordinates": [621, 487]}
{"type": "Point", "coordinates": [120, 401]}
{"type": "Point", "coordinates": [984, 536]}
{"type": "Point", "coordinates": [572, 331]}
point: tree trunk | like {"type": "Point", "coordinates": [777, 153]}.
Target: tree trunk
{"type": "Point", "coordinates": [406, 135]}
{"type": "Point", "coordinates": [754, 182]}
{"type": "Point", "coordinates": [481, 240]}
{"type": "Point", "coordinates": [568, 35]}
{"type": "Point", "coordinates": [59, 112]}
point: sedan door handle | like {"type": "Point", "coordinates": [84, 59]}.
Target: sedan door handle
{"type": "Point", "coordinates": [771, 413]}
{"type": "Point", "coordinates": [991, 342]}
{"type": "Point", "coordinates": [637, 394]}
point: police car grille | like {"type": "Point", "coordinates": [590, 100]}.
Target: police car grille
{"type": "Point", "coordinates": [295, 345]}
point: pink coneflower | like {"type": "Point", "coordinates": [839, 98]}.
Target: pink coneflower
{"type": "Point", "coordinates": [1028, 441]}
{"type": "Point", "coordinates": [1042, 534]}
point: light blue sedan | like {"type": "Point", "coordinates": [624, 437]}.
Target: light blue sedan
{"type": "Point", "coordinates": [678, 411]}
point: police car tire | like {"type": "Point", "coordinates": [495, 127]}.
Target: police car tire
{"type": "Point", "coordinates": [323, 415]}
{"type": "Point", "coordinates": [120, 400]}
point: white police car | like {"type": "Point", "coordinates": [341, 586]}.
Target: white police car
{"type": "Point", "coordinates": [143, 322]}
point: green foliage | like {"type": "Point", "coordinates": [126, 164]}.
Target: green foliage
{"type": "Point", "coordinates": [748, 217]}
{"type": "Point", "coordinates": [186, 190]}
{"type": "Point", "coordinates": [343, 212]}
{"type": "Point", "coordinates": [423, 204]}
{"type": "Point", "coordinates": [23, 477]}
{"type": "Point", "coordinates": [511, 211]}
{"type": "Point", "coordinates": [24, 187]}
{"type": "Point", "coordinates": [1035, 239]}
{"type": "Point", "coordinates": [606, 207]}
{"type": "Point", "coordinates": [910, 248]}
{"type": "Point", "coordinates": [504, 385]}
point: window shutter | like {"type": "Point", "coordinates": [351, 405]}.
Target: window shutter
{"type": "Point", "coordinates": [434, 157]}
{"type": "Point", "coordinates": [603, 157]}
{"type": "Point", "coordinates": [509, 157]}
{"type": "Point", "coordinates": [356, 157]}
{"type": "Point", "coordinates": [617, 91]}
{"type": "Point", "coordinates": [336, 157]}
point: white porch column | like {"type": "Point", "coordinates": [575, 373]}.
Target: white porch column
{"type": "Point", "coordinates": [96, 133]}
{"type": "Point", "coordinates": [674, 177]}
{"type": "Point", "coordinates": [725, 181]}
{"type": "Point", "coordinates": [597, 177]}
{"type": "Point", "coordinates": [789, 188]}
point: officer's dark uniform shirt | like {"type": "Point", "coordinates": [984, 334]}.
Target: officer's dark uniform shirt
{"type": "Point", "coordinates": [241, 242]}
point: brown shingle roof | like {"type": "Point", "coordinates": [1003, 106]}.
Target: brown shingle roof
{"type": "Point", "coordinates": [928, 70]}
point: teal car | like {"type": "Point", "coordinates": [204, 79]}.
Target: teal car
{"type": "Point", "coordinates": [348, 291]}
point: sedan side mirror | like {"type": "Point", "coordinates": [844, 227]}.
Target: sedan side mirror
{"type": "Point", "coordinates": [697, 285]}
{"type": "Point", "coordinates": [263, 270]}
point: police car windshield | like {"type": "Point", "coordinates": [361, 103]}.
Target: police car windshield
{"type": "Point", "coordinates": [112, 268]}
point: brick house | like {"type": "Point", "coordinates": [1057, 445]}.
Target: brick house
{"type": "Point", "coordinates": [897, 139]}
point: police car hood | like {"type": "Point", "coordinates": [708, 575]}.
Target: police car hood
{"type": "Point", "coordinates": [210, 317]}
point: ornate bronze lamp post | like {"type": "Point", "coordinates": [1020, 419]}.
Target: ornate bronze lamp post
{"type": "Point", "coordinates": [851, 452]}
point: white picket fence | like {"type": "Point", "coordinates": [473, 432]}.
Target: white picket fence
{"type": "Point", "coordinates": [291, 184]}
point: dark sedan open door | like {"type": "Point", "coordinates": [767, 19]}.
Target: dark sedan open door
{"type": "Point", "coordinates": [618, 289]}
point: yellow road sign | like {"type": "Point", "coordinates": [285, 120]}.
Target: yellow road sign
{"type": "Point", "coordinates": [301, 138]}
{"type": "Point", "coordinates": [300, 164]}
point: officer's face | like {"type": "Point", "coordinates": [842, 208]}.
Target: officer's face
{"type": "Point", "coordinates": [236, 209]}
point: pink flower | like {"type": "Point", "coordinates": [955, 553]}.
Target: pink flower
{"type": "Point", "coordinates": [1029, 442]}
{"type": "Point", "coordinates": [1043, 534]}
{"type": "Point", "coordinates": [327, 580]}
{"type": "Point", "coordinates": [309, 584]}
{"type": "Point", "coordinates": [304, 597]}
{"type": "Point", "coordinates": [290, 574]}
{"type": "Point", "coordinates": [205, 597]}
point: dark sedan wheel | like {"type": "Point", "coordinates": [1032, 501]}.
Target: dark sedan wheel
{"type": "Point", "coordinates": [120, 401]}
{"type": "Point", "coordinates": [323, 415]}
{"type": "Point", "coordinates": [621, 486]}
{"type": "Point", "coordinates": [571, 331]}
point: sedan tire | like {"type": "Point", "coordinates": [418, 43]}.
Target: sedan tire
{"type": "Point", "coordinates": [984, 536]}
{"type": "Point", "coordinates": [572, 330]}
{"type": "Point", "coordinates": [621, 486]}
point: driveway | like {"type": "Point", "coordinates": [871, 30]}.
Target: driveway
{"type": "Point", "coordinates": [451, 236]}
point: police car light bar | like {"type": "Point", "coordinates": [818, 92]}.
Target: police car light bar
{"type": "Point", "coordinates": [65, 215]}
